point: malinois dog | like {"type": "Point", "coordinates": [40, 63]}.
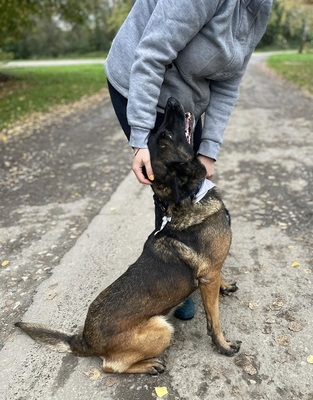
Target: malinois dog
{"type": "Point", "coordinates": [126, 325]}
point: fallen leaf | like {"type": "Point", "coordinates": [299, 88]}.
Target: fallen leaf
{"type": "Point", "coordinates": [270, 320]}
{"type": "Point", "coordinates": [93, 374]}
{"type": "Point", "coordinates": [295, 264]}
{"type": "Point", "coordinates": [250, 369]}
{"type": "Point", "coordinates": [283, 340]}
{"type": "Point", "coordinates": [276, 305]}
{"type": "Point", "coordinates": [307, 271]}
{"type": "Point", "coordinates": [161, 391]}
{"type": "Point", "coordinates": [51, 296]}
{"type": "Point", "coordinates": [295, 326]}
{"type": "Point", "coordinates": [310, 359]}
{"type": "Point", "coordinates": [253, 306]}
{"type": "Point", "coordinates": [5, 263]}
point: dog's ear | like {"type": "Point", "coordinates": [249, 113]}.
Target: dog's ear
{"type": "Point", "coordinates": [171, 181]}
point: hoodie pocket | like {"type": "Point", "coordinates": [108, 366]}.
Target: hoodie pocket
{"type": "Point", "coordinates": [248, 12]}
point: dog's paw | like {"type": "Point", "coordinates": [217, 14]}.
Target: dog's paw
{"type": "Point", "coordinates": [231, 349]}
{"type": "Point", "coordinates": [227, 288]}
{"type": "Point", "coordinates": [155, 367]}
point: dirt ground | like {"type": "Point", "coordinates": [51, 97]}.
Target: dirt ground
{"type": "Point", "coordinates": [56, 178]}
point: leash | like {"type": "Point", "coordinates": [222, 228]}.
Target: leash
{"type": "Point", "coordinates": [165, 220]}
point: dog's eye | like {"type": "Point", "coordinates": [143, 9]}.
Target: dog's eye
{"type": "Point", "coordinates": [179, 163]}
{"type": "Point", "coordinates": [168, 135]}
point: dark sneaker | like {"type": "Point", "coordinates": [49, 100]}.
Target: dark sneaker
{"type": "Point", "coordinates": [186, 310]}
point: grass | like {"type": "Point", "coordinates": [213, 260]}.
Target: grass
{"type": "Point", "coordinates": [296, 68]}
{"type": "Point", "coordinates": [76, 56]}
{"type": "Point", "coordinates": [37, 89]}
{"type": "Point", "coordinates": [27, 90]}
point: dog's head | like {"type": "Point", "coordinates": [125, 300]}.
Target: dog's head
{"type": "Point", "coordinates": [177, 171]}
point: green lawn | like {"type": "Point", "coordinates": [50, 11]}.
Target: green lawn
{"type": "Point", "coordinates": [297, 68]}
{"type": "Point", "coordinates": [37, 89]}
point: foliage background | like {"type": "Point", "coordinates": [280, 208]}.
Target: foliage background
{"type": "Point", "coordinates": [54, 28]}
{"type": "Point", "coordinates": [65, 28]}
{"type": "Point", "coordinates": [290, 25]}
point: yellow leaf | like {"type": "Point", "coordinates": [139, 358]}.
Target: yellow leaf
{"type": "Point", "coordinates": [161, 391]}
{"type": "Point", "coordinates": [295, 264]}
{"type": "Point", "coordinates": [5, 263]}
{"type": "Point", "coordinates": [310, 359]}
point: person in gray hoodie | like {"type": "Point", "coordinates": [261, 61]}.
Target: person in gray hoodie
{"type": "Point", "coordinates": [194, 50]}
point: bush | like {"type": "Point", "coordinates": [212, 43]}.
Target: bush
{"type": "Point", "coordinates": [5, 56]}
{"type": "Point", "coordinates": [288, 28]}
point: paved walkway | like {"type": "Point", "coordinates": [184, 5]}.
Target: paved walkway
{"type": "Point", "coordinates": [265, 174]}
{"type": "Point", "coordinates": [50, 63]}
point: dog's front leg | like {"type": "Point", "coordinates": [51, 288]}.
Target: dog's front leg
{"type": "Point", "coordinates": [210, 287]}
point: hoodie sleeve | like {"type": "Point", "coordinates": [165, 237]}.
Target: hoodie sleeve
{"type": "Point", "coordinates": [222, 101]}
{"type": "Point", "coordinates": [224, 93]}
{"type": "Point", "coordinates": [172, 25]}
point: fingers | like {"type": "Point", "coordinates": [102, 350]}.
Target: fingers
{"type": "Point", "coordinates": [209, 164]}
{"type": "Point", "coordinates": [142, 166]}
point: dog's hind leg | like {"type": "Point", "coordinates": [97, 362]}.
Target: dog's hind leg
{"type": "Point", "coordinates": [137, 348]}
{"type": "Point", "coordinates": [210, 287]}
{"type": "Point", "coordinates": [151, 366]}
{"type": "Point", "coordinates": [227, 287]}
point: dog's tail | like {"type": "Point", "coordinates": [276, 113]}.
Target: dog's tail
{"type": "Point", "coordinates": [57, 340]}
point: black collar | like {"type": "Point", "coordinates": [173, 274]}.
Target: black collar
{"type": "Point", "coordinates": [164, 206]}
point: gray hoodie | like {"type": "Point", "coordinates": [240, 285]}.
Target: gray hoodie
{"type": "Point", "coordinates": [194, 50]}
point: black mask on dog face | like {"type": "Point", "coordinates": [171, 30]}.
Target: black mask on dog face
{"type": "Point", "coordinates": [177, 171]}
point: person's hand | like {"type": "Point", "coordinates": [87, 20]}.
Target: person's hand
{"type": "Point", "coordinates": [141, 162]}
{"type": "Point", "coordinates": [209, 165]}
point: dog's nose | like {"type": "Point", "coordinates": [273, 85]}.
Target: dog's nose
{"type": "Point", "coordinates": [172, 102]}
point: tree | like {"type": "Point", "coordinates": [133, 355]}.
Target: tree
{"type": "Point", "coordinates": [300, 22]}
{"type": "Point", "coordinates": [118, 14]}
{"type": "Point", "coordinates": [73, 26]}
{"type": "Point", "coordinates": [290, 24]}
{"type": "Point", "coordinates": [18, 15]}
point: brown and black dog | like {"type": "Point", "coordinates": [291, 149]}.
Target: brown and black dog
{"type": "Point", "coordinates": [126, 324]}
